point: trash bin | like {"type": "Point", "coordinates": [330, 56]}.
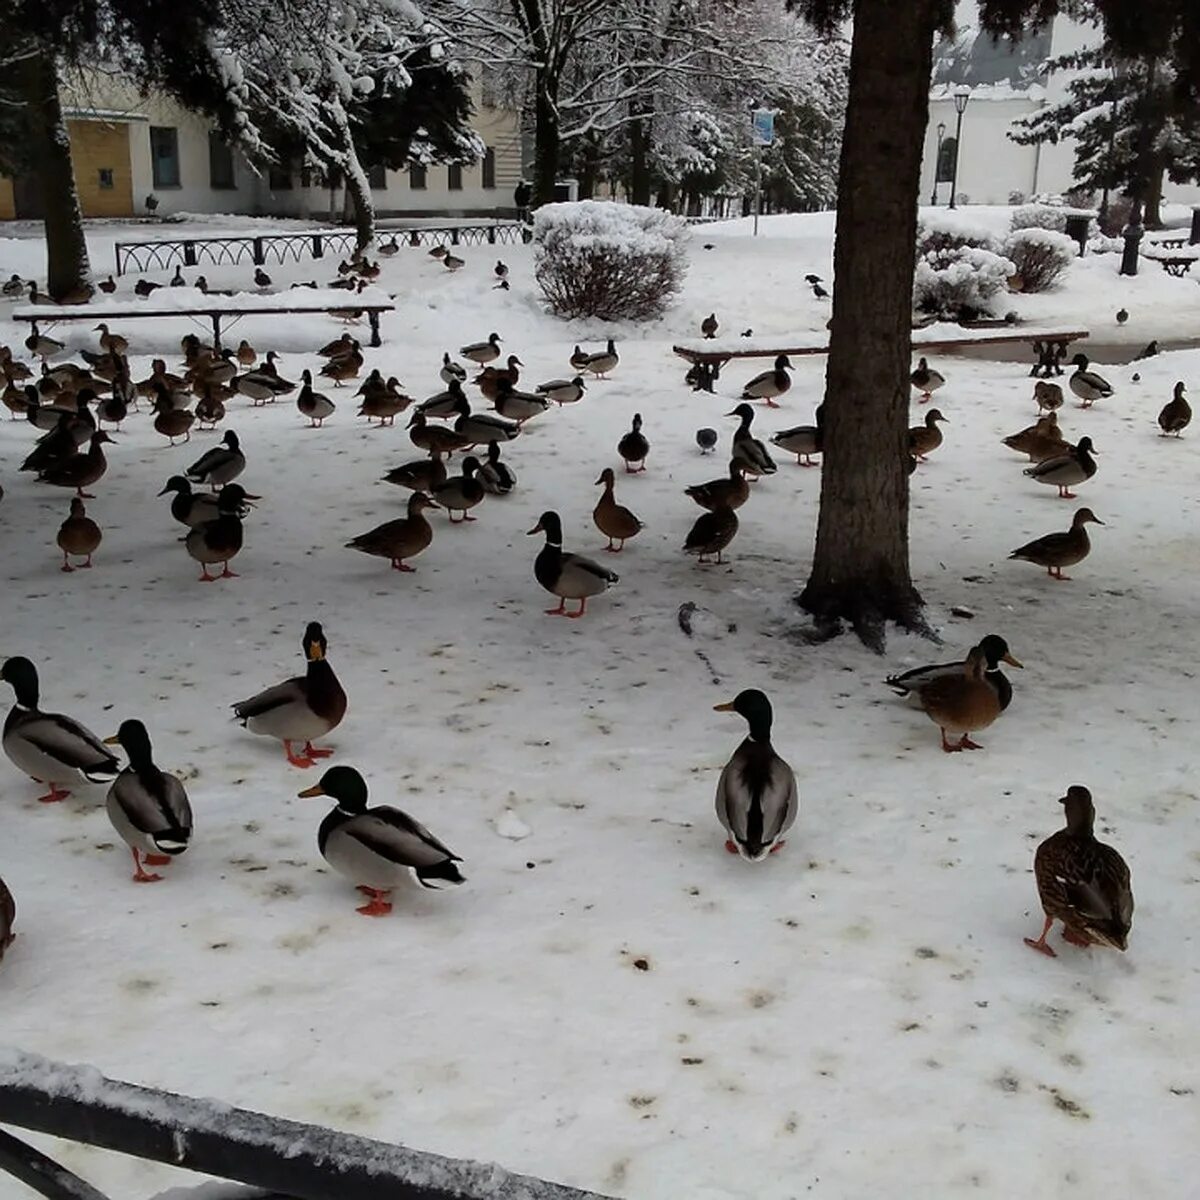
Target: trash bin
{"type": "Point", "coordinates": [1077, 229]}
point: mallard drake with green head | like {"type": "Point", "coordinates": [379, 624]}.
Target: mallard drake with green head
{"type": "Point", "coordinates": [563, 391]}
{"type": "Point", "coordinates": [482, 352]}
{"type": "Point", "coordinates": [461, 493]}
{"type": "Point", "coordinates": [78, 535]}
{"type": "Point", "coordinates": [49, 747]}
{"type": "Point", "coordinates": [803, 440]}
{"type": "Point", "coordinates": [316, 406]}
{"type": "Point", "coordinates": [481, 428]}
{"type": "Point", "coordinates": [757, 799]}
{"type": "Point", "coordinates": [604, 362]}
{"type": "Point", "coordinates": [995, 652]}
{"type": "Point", "coordinates": [1082, 882]}
{"type": "Point", "coordinates": [80, 470]}
{"type": "Point", "coordinates": [770, 384]}
{"type": "Point", "coordinates": [565, 575]}
{"type": "Point", "coordinates": [963, 704]}
{"type": "Point", "coordinates": [220, 465]}
{"type": "Point", "coordinates": [300, 709]}
{"type": "Point", "coordinates": [753, 456]}
{"type": "Point", "coordinates": [1176, 415]}
{"type": "Point", "coordinates": [220, 540]}
{"type": "Point", "coordinates": [496, 476]}
{"type": "Point", "coordinates": [926, 380]}
{"type": "Point", "coordinates": [731, 491]}
{"type": "Point", "coordinates": [452, 370]}
{"type": "Point", "coordinates": [172, 422]}
{"type": "Point", "coordinates": [403, 538]}
{"type": "Point", "coordinates": [519, 406]}
{"type": "Point", "coordinates": [434, 438]}
{"type": "Point", "coordinates": [1058, 550]}
{"type": "Point", "coordinates": [614, 520]}
{"type": "Point", "coordinates": [190, 508]}
{"type": "Point", "coordinates": [1076, 465]}
{"type": "Point", "coordinates": [420, 475]}
{"type": "Point", "coordinates": [634, 447]}
{"type": "Point", "coordinates": [378, 849]}
{"type": "Point", "coordinates": [443, 404]}
{"type": "Point", "coordinates": [1087, 385]}
{"type": "Point", "coordinates": [148, 807]}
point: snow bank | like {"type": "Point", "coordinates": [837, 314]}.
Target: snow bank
{"type": "Point", "coordinates": [169, 301]}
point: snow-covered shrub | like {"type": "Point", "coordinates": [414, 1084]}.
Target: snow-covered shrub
{"type": "Point", "coordinates": [1040, 256]}
{"type": "Point", "coordinates": [1039, 216]}
{"type": "Point", "coordinates": [597, 258]}
{"type": "Point", "coordinates": [959, 269]}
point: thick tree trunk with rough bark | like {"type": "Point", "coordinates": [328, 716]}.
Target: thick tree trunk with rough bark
{"type": "Point", "coordinates": [545, 140]}
{"type": "Point", "coordinates": [68, 270]}
{"type": "Point", "coordinates": [1154, 188]}
{"type": "Point", "coordinates": [860, 571]}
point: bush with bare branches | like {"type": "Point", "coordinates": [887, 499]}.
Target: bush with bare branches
{"type": "Point", "coordinates": [597, 258]}
{"type": "Point", "coordinates": [1040, 256]}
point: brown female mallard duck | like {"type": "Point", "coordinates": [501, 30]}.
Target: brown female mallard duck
{"type": "Point", "coordinates": [420, 475]}
{"type": "Point", "coordinates": [344, 366]}
{"type": "Point", "coordinates": [965, 703]}
{"type": "Point", "coordinates": [210, 408]}
{"type": "Point", "coordinates": [78, 535]}
{"type": "Point", "coordinates": [923, 440]}
{"type": "Point", "coordinates": [711, 533]}
{"type": "Point", "coordinates": [384, 404]}
{"type": "Point", "coordinates": [1048, 396]}
{"type": "Point", "coordinates": [80, 470]}
{"type": "Point", "coordinates": [730, 492]}
{"type": "Point", "coordinates": [112, 343]}
{"type": "Point", "coordinates": [926, 380]}
{"type": "Point", "coordinates": [300, 709]}
{"type": "Point", "coordinates": [614, 520]}
{"type": "Point", "coordinates": [489, 379]}
{"type": "Point", "coordinates": [434, 438]}
{"type": "Point", "coordinates": [172, 422]}
{"type": "Point", "coordinates": [402, 538]}
{"type": "Point", "coordinates": [8, 915]}
{"type": "Point", "coordinates": [461, 493]}
{"type": "Point", "coordinates": [1176, 415]}
{"type": "Point", "coordinates": [1082, 882]}
{"type": "Point", "coordinates": [1039, 441]}
{"type": "Point", "coordinates": [1058, 550]}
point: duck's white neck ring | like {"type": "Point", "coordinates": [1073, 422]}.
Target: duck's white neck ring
{"type": "Point", "coordinates": [555, 545]}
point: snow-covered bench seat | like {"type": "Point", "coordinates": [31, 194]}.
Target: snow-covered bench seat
{"type": "Point", "coordinates": [1048, 342]}
{"type": "Point", "coordinates": [214, 306]}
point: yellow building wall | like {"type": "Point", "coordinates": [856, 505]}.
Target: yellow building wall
{"type": "Point", "coordinates": [97, 146]}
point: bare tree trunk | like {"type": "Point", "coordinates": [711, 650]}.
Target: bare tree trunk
{"type": "Point", "coordinates": [545, 140]}
{"type": "Point", "coordinates": [67, 267]}
{"type": "Point", "coordinates": [860, 571]}
{"type": "Point", "coordinates": [639, 162]}
{"type": "Point", "coordinates": [1154, 188]}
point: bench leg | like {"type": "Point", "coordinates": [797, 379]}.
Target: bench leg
{"type": "Point", "coordinates": [1049, 359]}
{"type": "Point", "coordinates": [703, 375]}
{"type": "Point", "coordinates": [373, 319]}
{"type": "Point", "coordinates": [216, 324]}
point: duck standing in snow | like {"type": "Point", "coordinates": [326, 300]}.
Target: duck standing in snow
{"type": "Point", "coordinates": [634, 447]}
{"type": "Point", "coordinates": [1066, 470]}
{"type": "Point", "coordinates": [451, 371]}
{"type": "Point", "coordinates": [419, 475]}
{"type": "Point", "coordinates": [770, 384]}
{"type": "Point", "coordinates": [517, 405]}
{"type": "Point", "coordinates": [757, 798]}
{"type": "Point", "coordinates": [188, 507]}
{"type": "Point", "coordinates": [48, 747]}
{"type": "Point", "coordinates": [730, 491]}
{"type": "Point", "coordinates": [562, 391]}
{"type": "Point", "coordinates": [403, 538]}
{"type": "Point", "coordinates": [926, 380]}
{"type": "Point", "coordinates": [924, 439]}
{"type": "Point", "coordinates": [220, 540]}
{"type": "Point", "coordinates": [482, 352]}
{"type": "Point", "coordinates": [147, 806]}
{"type": "Point", "coordinates": [995, 652]}
{"type": "Point", "coordinates": [1082, 882]}
{"type": "Point", "coordinates": [1176, 415]}
{"type": "Point", "coordinates": [461, 493]}
{"type": "Point", "coordinates": [803, 440]}
{"type": "Point", "coordinates": [1087, 385]}
{"type": "Point", "coordinates": [316, 406]}
{"type": "Point", "coordinates": [566, 575]}
{"type": "Point", "coordinates": [78, 535]}
{"type": "Point", "coordinates": [1058, 550]}
{"type": "Point", "coordinates": [964, 703]}
{"type": "Point", "coordinates": [614, 520]}
{"type": "Point", "coordinates": [603, 362]}
{"type": "Point", "coordinates": [496, 476]}
{"type": "Point", "coordinates": [481, 428]}
{"type": "Point", "coordinates": [379, 848]}
{"type": "Point", "coordinates": [300, 709]}
{"type": "Point", "coordinates": [711, 533]}
{"type": "Point", "coordinates": [220, 465]}
{"type": "Point", "coordinates": [748, 451]}
{"type": "Point", "coordinates": [706, 439]}
{"type": "Point", "coordinates": [1048, 396]}
{"type": "Point", "coordinates": [1039, 441]}
{"type": "Point", "coordinates": [709, 326]}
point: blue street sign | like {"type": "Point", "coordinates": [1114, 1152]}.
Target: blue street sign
{"type": "Point", "coordinates": [762, 127]}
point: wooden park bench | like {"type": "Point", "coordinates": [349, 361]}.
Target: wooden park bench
{"type": "Point", "coordinates": [1175, 259]}
{"type": "Point", "coordinates": [1050, 346]}
{"type": "Point", "coordinates": [214, 307]}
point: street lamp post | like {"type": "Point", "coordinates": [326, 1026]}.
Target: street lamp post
{"type": "Point", "coordinates": [961, 96]}
{"type": "Point", "coordinates": [937, 160]}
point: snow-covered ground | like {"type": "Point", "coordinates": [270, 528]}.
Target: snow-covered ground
{"type": "Point", "coordinates": [612, 1000]}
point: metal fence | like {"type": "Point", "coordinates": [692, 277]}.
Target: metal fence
{"type": "Point", "coordinates": [290, 1160]}
{"type": "Point", "coordinates": [257, 249]}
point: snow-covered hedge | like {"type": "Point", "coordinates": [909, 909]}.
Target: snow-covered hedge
{"type": "Point", "coordinates": [959, 268]}
{"type": "Point", "coordinates": [1040, 256]}
{"type": "Point", "coordinates": [597, 258]}
{"type": "Point", "coordinates": [1039, 216]}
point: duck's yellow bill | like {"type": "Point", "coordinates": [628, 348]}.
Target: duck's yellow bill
{"type": "Point", "coordinates": [112, 741]}
{"type": "Point", "coordinates": [1012, 662]}
{"type": "Point", "coordinates": [309, 793]}
{"type": "Point", "coordinates": [723, 707]}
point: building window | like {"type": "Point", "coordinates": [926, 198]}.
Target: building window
{"type": "Point", "coordinates": [945, 162]}
{"type": "Point", "coordinates": [279, 178]}
{"type": "Point", "coordinates": [164, 156]}
{"type": "Point", "coordinates": [454, 177]}
{"type": "Point", "coordinates": [489, 168]}
{"type": "Point", "coordinates": [220, 164]}
{"type": "Point", "coordinates": [377, 177]}
{"type": "Point", "coordinates": [106, 179]}
{"type": "Point", "coordinates": [416, 177]}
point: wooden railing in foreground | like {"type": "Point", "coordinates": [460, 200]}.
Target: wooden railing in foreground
{"type": "Point", "coordinates": [286, 1158]}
